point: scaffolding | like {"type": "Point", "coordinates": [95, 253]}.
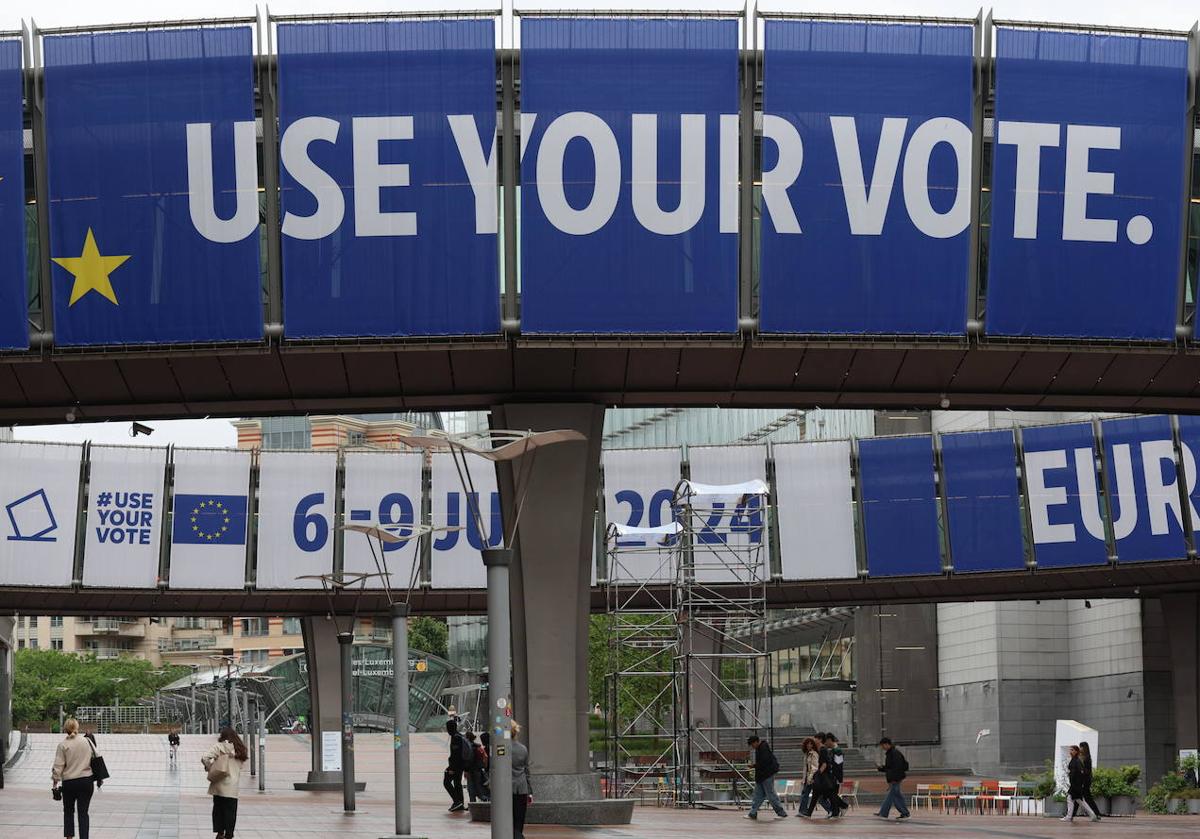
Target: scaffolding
{"type": "Point", "coordinates": [689, 677]}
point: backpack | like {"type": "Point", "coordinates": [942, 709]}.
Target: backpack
{"type": "Point", "coordinates": [481, 760]}
{"type": "Point", "coordinates": [466, 751]}
{"type": "Point", "coordinates": [902, 763]}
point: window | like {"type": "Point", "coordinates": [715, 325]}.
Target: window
{"type": "Point", "coordinates": [56, 622]}
{"type": "Point", "coordinates": [254, 627]}
{"type": "Point", "coordinates": [285, 433]}
{"type": "Point", "coordinates": [56, 643]}
{"type": "Point", "coordinates": [33, 621]}
{"type": "Point", "coordinates": [255, 656]}
{"type": "Point", "coordinates": [33, 644]}
{"type": "Point", "coordinates": [356, 438]}
{"type": "Point", "coordinates": [291, 626]}
{"type": "Point", "coordinates": [292, 650]}
{"type": "Point", "coordinates": [20, 643]}
{"type": "Point", "coordinates": [21, 621]}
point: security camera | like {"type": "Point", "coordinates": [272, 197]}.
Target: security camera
{"type": "Point", "coordinates": [71, 415]}
{"type": "Point", "coordinates": [137, 428]}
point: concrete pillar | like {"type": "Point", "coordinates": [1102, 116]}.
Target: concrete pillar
{"type": "Point", "coordinates": [551, 583]}
{"type": "Point", "coordinates": [1181, 615]}
{"type": "Point", "coordinates": [324, 692]}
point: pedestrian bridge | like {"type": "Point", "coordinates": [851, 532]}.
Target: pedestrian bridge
{"type": "Point", "coordinates": [1106, 508]}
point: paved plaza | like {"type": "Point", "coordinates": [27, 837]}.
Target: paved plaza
{"type": "Point", "coordinates": [146, 799]}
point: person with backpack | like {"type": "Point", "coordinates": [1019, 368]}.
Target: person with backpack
{"type": "Point", "coordinates": [173, 746]}
{"type": "Point", "coordinates": [895, 770]}
{"type": "Point", "coordinates": [766, 767]}
{"type": "Point", "coordinates": [461, 755]}
{"type": "Point", "coordinates": [475, 770]}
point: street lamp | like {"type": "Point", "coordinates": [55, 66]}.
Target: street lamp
{"type": "Point", "coordinates": [230, 663]}
{"type": "Point", "coordinates": [332, 585]}
{"type": "Point", "coordinates": [61, 714]}
{"type": "Point", "coordinates": [259, 729]}
{"type": "Point", "coordinates": [383, 535]}
{"type": "Point", "coordinates": [497, 446]}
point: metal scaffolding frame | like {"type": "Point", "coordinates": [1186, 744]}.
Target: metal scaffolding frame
{"type": "Point", "coordinates": [686, 605]}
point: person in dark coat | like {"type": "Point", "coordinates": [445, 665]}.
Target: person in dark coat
{"type": "Point", "coordinates": [522, 790]}
{"type": "Point", "coordinates": [895, 770]}
{"type": "Point", "coordinates": [457, 764]}
{"type": "Point", "coordinates": [1085, 757]}
{"type": "Point", "coordinates": [766, 767]}
{"type": "Point", "coordinates": [825, 787]}
{"type": "Point", "coordinates": [1075, 788]}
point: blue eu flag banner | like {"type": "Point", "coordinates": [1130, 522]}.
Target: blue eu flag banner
{"type": "Point", "coordinates": [14, 331]}
{"type": "Point", "coordinates": [209, 520]}
{"type": "Point", "coordinates": [388, 172]}
{"type": "Point", "coordinates": [154, 205]}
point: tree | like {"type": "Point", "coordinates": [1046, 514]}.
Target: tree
{"type": "Point", "coordinates": [428, 635]}
{"type": "Point", "coordinates": [38, 676]}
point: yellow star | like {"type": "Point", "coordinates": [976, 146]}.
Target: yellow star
{"type": "Point", "coordinates": [91, 270]}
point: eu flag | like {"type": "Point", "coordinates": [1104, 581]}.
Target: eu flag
{"type": "Point", "coordinates": [154, 208]}
{"type": "Point", "coordinates": [209, 520]}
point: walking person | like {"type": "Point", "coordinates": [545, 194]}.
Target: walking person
{"type": "Point", "coordinates": [72, 773]}
{"type": "Point", "coordinates": [460, 757]}
{"type": "Point", "coordinates": [223, 763]}
{"type": "Point", "coordinates": [522, 788]}
{"type": "Point", "coordinates": [173, 746]}
{"type": "Point", "coordinates": [837, 767]}
{"type": "Point", "coordinates": [811, 761]}
{"type": "Point", "coordinates": [824, 788]}
{"type": "Point", "coordinates": [1085, 757]}
{"type": "Point", "coordinates": [475, 769]}
{"type": "Point", "coordinates": [1075, 788]}
{"type": "Point", "coordinates": [895, 770]}
{"type": "Point", "coordinates": [766, 767]}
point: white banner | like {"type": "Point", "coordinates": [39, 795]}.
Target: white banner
{"type": "Point", "coordinates": [456, 561]}
{"type": "Point", "coordinates": [124, 516]}
{"type": "Point", "coordinates": [297, 492]}
{"type": "Point", "coordinates": [816, 510]}
{"type": "Point", "coordinates": [639, 485]}
{"type": "Point", "coordinates": [209, 518]}
{"type": "Point", "coordinates": [39, 490]}
{"type": "Point", "coordinates": [742, 526]}
{"type": "Point", "coordinates": [383, 488]}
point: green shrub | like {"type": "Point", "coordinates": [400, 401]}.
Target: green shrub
{"type": "Point", "coordinates": [1172, 785]}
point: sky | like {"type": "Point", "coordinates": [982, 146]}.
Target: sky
{"type": "Point", "coordinates": [1149, 14]}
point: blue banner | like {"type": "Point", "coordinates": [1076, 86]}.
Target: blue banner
{"type": "Point", "coordinates": [1088, 180]}
{"type": "Point", "coordinates": [154, 205]}
{"type": "Point", "coordinates": [983, 502]}
{"type": "Point", "coordinates": [866, 177]}
{"type": "Point", "coordinates": [1065, 511]}
{"type": "Point", "coordinates": [629, 182]}
{"type": "Point", "coordinates": [209, 520]}
{"type": "Point", "coordinates": [899, 505]}
{"type": "Point", "coordinates": [388, 169]}
{"type": "Point", "coordinates": [1144, 487]}
{"type": "Point", "coordinates": [14, 310]}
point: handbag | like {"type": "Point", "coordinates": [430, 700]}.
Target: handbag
{"type": "Point", "coordinates": [99, 768]}
{"type": "Point", "coordinates": [218, 770]}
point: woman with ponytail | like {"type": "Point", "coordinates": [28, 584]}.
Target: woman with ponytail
{"type": "Point", "coordinates": [223, 763]}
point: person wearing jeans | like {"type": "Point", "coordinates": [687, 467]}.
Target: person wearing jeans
{"type": "Point", "coordinates": [766, 767]}
{"type": "Point", "coordinates": [895, 769]}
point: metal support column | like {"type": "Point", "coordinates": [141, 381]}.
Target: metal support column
{"type": "Point", "coordinates": [497, 562]}
{"type": "Point", "coordinates": [345, 651]}
{"type": "Point", "coordinates": [400, 741]}
{"type": "Point", "coordinates": [251, 732]}
{"type": "Point", "coordinates": [262, 749]}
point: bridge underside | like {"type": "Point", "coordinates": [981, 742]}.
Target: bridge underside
{"type": "Point", "coordinates": [1149, 579]}
{"type": "Point", "coordinates": [267, 380]}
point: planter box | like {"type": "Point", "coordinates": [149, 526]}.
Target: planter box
{"type": "Point", "coordinates": [1193, 806]}
{"type": "Point", "coordinates": [1053, 809]}
{"type": "Point", "coordinates": [1104, 803]}
{"type": "Point", "coordinates": [1173, 805]}
{"type": "Point", "coordinates": [1122, 805]}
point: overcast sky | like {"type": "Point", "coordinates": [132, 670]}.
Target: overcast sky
{"type": "Point", "coordinates": [1153, 14]}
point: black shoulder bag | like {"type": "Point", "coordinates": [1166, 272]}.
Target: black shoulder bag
{"type": "Point", "coordinates": [99, 768]}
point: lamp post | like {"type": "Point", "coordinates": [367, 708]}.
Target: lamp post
{"type": "Point", "coordinates": [383, 535]}
{"type": "Point", "coordinates": [334, 584]}
{"type": "Point", "coordinates": [497, 446]}
{"type": "Point", "coordinates": [230, 664]}
{"type": "Point", "coordinates": [62, 716]}
{"type": "Point", "coordinates": [195, 730]}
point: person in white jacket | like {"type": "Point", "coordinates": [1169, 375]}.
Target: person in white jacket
{"type": "Point", "coordinates": [225, 790]}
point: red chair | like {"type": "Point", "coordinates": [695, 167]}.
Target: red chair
{"type": "Point", "coordinates": [989, 793]}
